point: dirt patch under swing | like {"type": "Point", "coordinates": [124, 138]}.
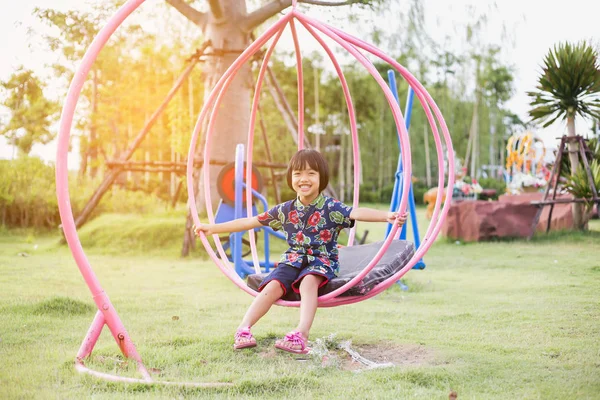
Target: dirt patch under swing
{"type": "Point", "coordinates": [370, 355]}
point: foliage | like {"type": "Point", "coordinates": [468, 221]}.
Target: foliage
{"type": "Point", "coordinates": [129, 80]}
{"type": "Point", "coordinates": [579, 185]}
{"type": "Point", "coordinates": [28, 196]}
{"type": "Point", "coordinates": [492, 183]}
{"type": "Point", "coordinates": [30, 111]}
{"type": "Point", "coordinates": [594, 146]}
{"type": "Point", "coordinates": [569, 84]}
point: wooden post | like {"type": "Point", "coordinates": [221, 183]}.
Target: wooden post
{"type": "Point", "coordinates": [554, 178]}
{"type": "Point", "coordinates": [555, 186]}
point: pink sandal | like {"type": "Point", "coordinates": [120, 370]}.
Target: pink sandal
{"type": "Point", "coordinates": [243, 334]}
{"type": "Point", "coordinates": [294, 338]}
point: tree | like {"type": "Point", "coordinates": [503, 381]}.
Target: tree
{"type": "Point", "coordinates": [228, 26]}
{"type": "Point", "coordinates": [77, 30]}
{"type": "Point", "coordinates": [127, 81]}
{"type": "Point", "coordinates": [30, 111]}
{"type": "Point", "coordinates": [569, 85]}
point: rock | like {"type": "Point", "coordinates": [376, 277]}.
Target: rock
{"type": "Point", "coordinates": [510, 216]}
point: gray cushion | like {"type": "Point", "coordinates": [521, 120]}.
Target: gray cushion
{"type": "Point", "coordinates": [352, 261]}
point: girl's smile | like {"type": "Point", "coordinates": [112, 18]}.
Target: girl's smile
{"type": "Point", "coordinates": [306, 184]}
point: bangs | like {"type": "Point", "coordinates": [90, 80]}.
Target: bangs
{"type": "Point", "coordinates": [305, 160]}
{"type": "Point", "coordinates": [312, 159]}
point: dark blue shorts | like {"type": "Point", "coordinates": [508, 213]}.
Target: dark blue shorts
{"type": "Point", "coordinates": [290, 277]}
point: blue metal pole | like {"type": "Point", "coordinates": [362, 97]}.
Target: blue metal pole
{"type": "Point", "coordinates": [397, 193]}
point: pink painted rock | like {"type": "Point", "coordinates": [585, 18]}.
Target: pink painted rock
{"type": "Point", "coordinates": [511, 216]}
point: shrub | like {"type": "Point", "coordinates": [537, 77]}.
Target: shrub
{"type": "Point", "coordinates": [369, 195]}
{"type": "Point", "coordinates": [579, 185]}
{"type": "Point", "coordinates": [492, 183]}
{"type": "Point", "coordinates": [419, 190]}
{"type": "Point", "coordinates": [28, 195]}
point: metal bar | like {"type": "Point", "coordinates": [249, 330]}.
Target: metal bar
{"type": "Point", "coordinates": [92, 336]}
{"type": "Point", "coordinates": [558, 166]}
{"type": "Point", "coordinates": [554, 175]}
{"type": "Point", "coordinates": [582, 148]}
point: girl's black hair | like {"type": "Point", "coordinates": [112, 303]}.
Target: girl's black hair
{"type": "Point", "coordinates": [312, 159]}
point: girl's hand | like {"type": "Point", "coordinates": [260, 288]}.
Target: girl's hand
{"type": "Point", "coordinates": [206, 228]}
{"type": "Point", "coordinates": [392, 218]}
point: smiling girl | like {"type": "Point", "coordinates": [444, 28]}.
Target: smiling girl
{"type": "Point", "coordinates": [311, 224]}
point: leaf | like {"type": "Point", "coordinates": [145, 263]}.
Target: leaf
{"type": "Point", "coordinates": [569, 84]}
{"type": "Point", "coordinates": [579, 185]}
{"type": "Point", "coordinates": [337, 217]}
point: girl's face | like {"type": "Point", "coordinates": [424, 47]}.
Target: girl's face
{"type": "Point", "coordinates": [306, 184]}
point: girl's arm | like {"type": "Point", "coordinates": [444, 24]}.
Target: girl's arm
{"type": "Point", "coordinates": [236, 225]}
{"type": "Point", "coordinates": [372, 215]}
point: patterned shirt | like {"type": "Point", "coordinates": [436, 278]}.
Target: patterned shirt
{"type": "Point", "coordinates": [311, 231]}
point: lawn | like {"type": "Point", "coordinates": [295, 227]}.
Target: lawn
{"type": "Point", "coordinates": [509, 319]}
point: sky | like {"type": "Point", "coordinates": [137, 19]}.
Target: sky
{"type": "Point", "coordinates": [535, 25]}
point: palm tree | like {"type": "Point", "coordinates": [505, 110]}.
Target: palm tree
{"type": "Point", "coordinates": [568, 86]}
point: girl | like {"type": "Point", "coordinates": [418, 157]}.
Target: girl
{"type": "Point", "coordinates": [311, 224]}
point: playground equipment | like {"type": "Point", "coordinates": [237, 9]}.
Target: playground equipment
{"type": "Point", "coordinates": [525, 165]}
{"type": "Point", "coordinates": [107, 315]}
{"type": "Point", "coordinates": [398, 184]}
{"type": "Point", "coordinates": [232, 188]}
{"type": "Point", "coordinates": [351, 44]}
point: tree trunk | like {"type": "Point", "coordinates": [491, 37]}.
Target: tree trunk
{"type": "Point", "coordinates": [349, 169]}
{"type": "Point", "coordinates": [474, 139]}
{"type": "Point", "coordinates": [578, 220]}
{"type": "Point", "coordinates": [491, 146]}
{"type": "Point", "coordinates": [502, 167]}
{"type": "Point", "coordinates": [427, 158]}
{"type": "Point", "coordinates": [380, 151]}
{"type": "Point", "coordinates": [233, 119]}
{"type": "Point", "coordinates": [84, 164]}
{"type": "Point", "coordinates": [472, 144]}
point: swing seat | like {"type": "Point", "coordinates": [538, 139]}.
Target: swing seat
{"type": "Point", "coordinates": [353, 260]}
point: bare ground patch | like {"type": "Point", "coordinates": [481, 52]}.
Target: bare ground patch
{"type": "Point", "coordinates": [384, 353]}
{"type": "Point", "coordinates": [406, 354]}
{"type": "Point", "coordinates": [331, 354]}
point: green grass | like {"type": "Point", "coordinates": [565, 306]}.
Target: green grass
{"type": "Point", "coordinates": [512, 319]}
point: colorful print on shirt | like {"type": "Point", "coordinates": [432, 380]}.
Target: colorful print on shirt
{"type": "Point", "coordinates": [311, 231]}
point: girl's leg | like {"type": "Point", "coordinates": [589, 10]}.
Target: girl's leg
{"type": "Point", "coordinates": [309, 292]}
{"type": "Point", "coordinates": [261, 304]}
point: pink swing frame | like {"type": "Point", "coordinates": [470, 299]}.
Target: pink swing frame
{"type": "Point", "coordinates": [107, 314]}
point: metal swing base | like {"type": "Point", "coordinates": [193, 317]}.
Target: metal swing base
{"type": "Point", "coordinates": [122, 338]}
